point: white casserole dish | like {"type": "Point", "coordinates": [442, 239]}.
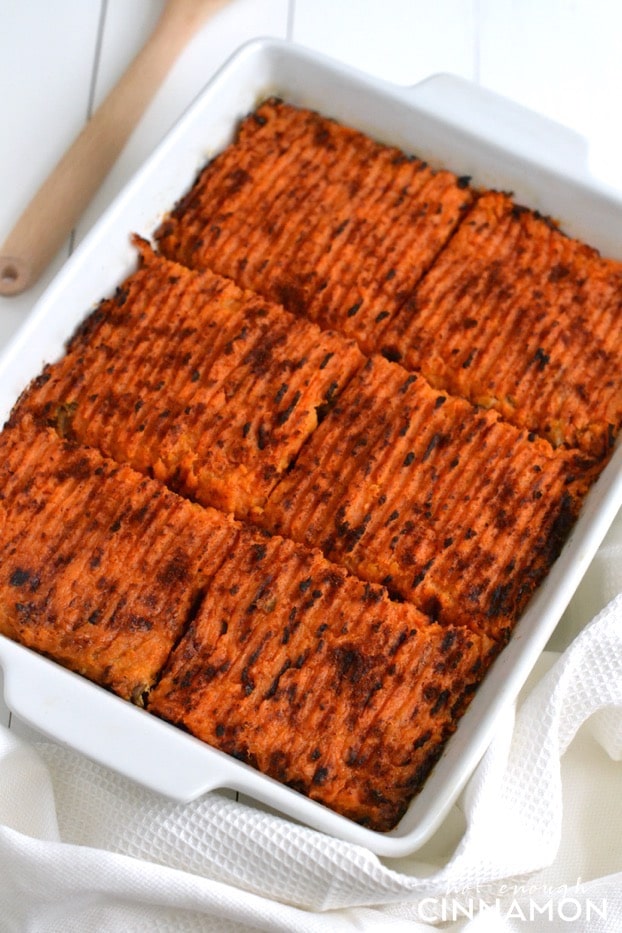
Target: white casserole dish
{"type": "Point", "coordinates": [450, 123]}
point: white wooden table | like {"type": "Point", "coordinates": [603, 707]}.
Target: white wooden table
{"type": "Point", "coordinates": [58, 59]}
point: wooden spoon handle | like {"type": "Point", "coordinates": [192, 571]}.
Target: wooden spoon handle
{"type": "Point", "coordinates": [49, 218]}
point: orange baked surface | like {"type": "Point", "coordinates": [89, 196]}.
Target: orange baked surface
{"type": "Point", "coordinates": [448, 506]}
{"type": "Point", "coordinates": [320, 680]}
{"type": "Point", "coordinates": [518, 317]}
{"type": "Point", "coordinates": [317, 216]}
{"type": "Point", "coordinates": [209, 388]}
{"type": "Point", "coordinates": [293, 485]}
{"type": "Point", "coordinates": [99, 566]}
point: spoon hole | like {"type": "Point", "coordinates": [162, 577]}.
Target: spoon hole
{"type": "Point", "coordinates": [10, 273]}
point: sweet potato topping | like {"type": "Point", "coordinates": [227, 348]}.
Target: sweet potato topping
{"type": "Point", "coordinates": [186, 377]}
{"type": "Point", "coordinates": [518, 317]}
{"type": "Point", "coordinates": [420, 505]}
{"type": "Point", "coordinates": [445, 504]}
{"type": "Point", "coordinates": [318, 217]}
{"type": "Point", "coordinates": [100, 567]}
{"type": "Point", "coordinates": [319, 680]}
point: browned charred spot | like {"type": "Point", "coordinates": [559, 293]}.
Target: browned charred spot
{"type": "Point", "coordinates": [541, 358]}
{"type": "Point", "coordinates": [291, 296]}
{"type": "Point", "coordinates": [403, 389]}
{"type": "Point", "coordinates": [353, 758]}
{"type": "Point", "coordinates": [96, 558]}
{"type": "Point", "coordinates": [278, 398]}
{"type": "Point", "coordinates": [322, 136]}
{"type": "Point", "coordinates": [263, 437]}
{"type": "Point", "coordinates": [397, 644]}
{"type": "Point", "coordinates": [500, 600]}
{"type": "Point", "coordinates": [439, 440]}
{"type": "Point", "coordinates": [63, 418]}
{"type": "Point", "coordinates": [175, 571]}
{"type": "Point", "coordinates": [258, 552]}
{"type": "Point", "coordinates": [422, 740]}
{"type": "Point", "coordinates": [518, 210]}
{"type": "Point", "coordinates": [391, 353]}
{"type": "Point", "coordinates": [560, 528]}
{"type": "Point", "coordinates": [120, 296]}
{"type": "Point", "coordinates": [274, 686]}
{"type": "Point", "coordinates": [448, 640]}
{"type": "Point", "coordinates": [354, 309]}
{"type": "Point", "coordinates": [350, 536]}
{"type": "Point", "coordinates": [26, 611]}
{"type": "Point", "coordinates": [381, 316]}
{"type": "Point", "coordinates": [278, 764]}
{"type": "Point", "coordinates": [502, 520]}
{"type": "Point", "coordinates": [259, 358]}
{"type": "Point", "coordinates": [334, 579]}
{"type": "Point", "coordinates": [320, 776]}
{"type": "Point", "coordinates": [469, 359]}
{"type": "Point", "coordinates": [558, 272]}
{"type": "Point", "coordinates": [418, 777]}
{"type": "Point", "coordinates": [237, 178]}
{"type": "Point", "coordinates": [248, 684]}
{"type": "Point", "coordinates": [372, 594]}
{"type": "Point", "coordinates": [408, 459]}
{"type": "Point", "coordinates": [19, 577]}
{"type": "Point", "coordinates": [350, 664]}
{"type": "Point", "coordinates": [263, 598]}
{"type": "Point", "coordinates": [432, 607]}
{"type": "Point", "coordinates": [420, 576]}
{"type": "Point", "coordinates": [341, 227]}
{"type": "Point", "coordinates": [283, 416]}
{"type": "Point", "coordinates": [441, 702]}
{"type": "Point", "coordinates": [208, 674]}
{"type": "Point", "coordinates": [311, 600]}
{"type": "Point", "coordinates": [243, 755]}
{"type": "Point", "coordinates": [300, 661]}
{"type": "Point", "coordinates": [463, 181]}
{"type": "Point", "coordinates": [137, 623]}
{"type": "Point", "coordinates": [79, 469]}
{"type": "Point", "coordinates": [378, 798]}
{"type": "Point", "coordinates": [329, 397]}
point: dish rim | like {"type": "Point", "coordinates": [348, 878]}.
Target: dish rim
{"type": "Point", "coordinates": [437, 106]}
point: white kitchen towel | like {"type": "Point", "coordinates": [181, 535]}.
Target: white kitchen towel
{"type": "Point", "coordinates": [82, 849]}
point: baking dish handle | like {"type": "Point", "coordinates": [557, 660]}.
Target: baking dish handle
{"type": "Point", "coordinates": [476, 110]}
{"type": "Point", "coordinates": [75, 712]}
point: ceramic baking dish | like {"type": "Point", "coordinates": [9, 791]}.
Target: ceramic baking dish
{"type": "Point", "coordinates": [450, 123]}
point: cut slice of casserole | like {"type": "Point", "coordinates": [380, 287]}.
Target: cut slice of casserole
{"type": "Point", "coordinates": [100, 567]}
{"type": "Point", "coordinates": [211, 389]}
{"type": "Point", "coordinates": [320, 680]}
{"type": "Point", "coordinates": [447, 505]}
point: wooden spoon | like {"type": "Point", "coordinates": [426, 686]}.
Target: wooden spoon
{"type": "Point", "coordinates": [49, 218]}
